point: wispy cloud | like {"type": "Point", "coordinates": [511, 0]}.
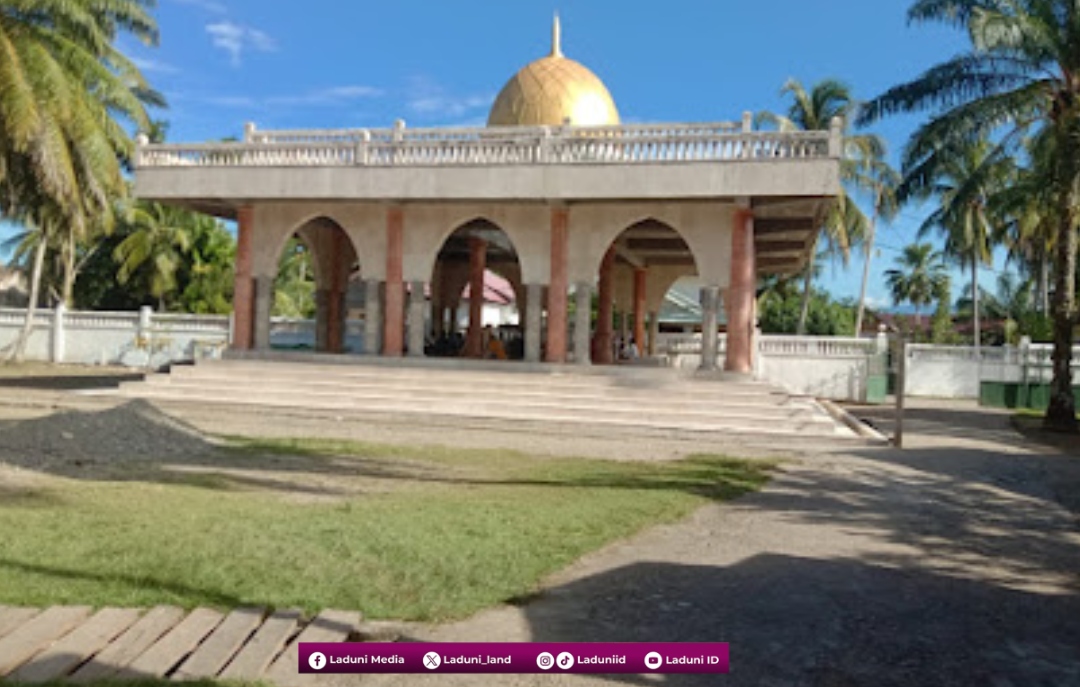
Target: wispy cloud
{"type": "Point", "coordinates": [154, 67]}
{"type": "Point", "coordinates": [212, 6]}
{"type": "Point", "coordinates": [325, 97]}
{"type": "Point", "coordinates": [429, 99]}
{"type": "Point", "coordinates": [235, 39]}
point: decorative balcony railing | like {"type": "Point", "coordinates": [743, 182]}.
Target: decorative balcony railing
{"type": "Point", "coordinates": [483, 146]}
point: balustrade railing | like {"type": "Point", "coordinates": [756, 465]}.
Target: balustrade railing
{"type": "Point", "coordinates": [400, 147]}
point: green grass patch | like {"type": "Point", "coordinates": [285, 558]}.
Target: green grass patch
{"type": "Point", "coordinates": [411, 533]}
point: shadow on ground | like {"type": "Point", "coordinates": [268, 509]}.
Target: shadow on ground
{"type": "Point", "coordinates": [829, 623]}
{"type": "Point", "coordinates": [68, 382]}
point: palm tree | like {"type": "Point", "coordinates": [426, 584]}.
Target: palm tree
{"type": "Point", "coordinates": [964, 184]}
{"type": "Point", "coordinates": [814, 110]}
{"type": "Point", "coordinates": [882, 181]}
{"type": "Point", "coordinates": [160, 238]}
{"type": "Point", "coordinates": [919, 278]}
{"type": "Point", "coordinates": [66, 94]}
{"type": "Point", "coordinates": [1018, 80]}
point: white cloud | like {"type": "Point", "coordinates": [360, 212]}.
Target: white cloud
{"type": "Point", "coordinates": [154, 67]}
{"type": "Point", "coordinates": [235, 38]}
{"type": "Point", "coordinates": [211, 6]}
{"type": "Point", "coordinates": [429, 99]}
{"type": "Point", "coordinates": [327, 96]}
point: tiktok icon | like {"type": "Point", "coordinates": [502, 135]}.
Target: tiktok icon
{"type": "Point", "coordinates": [317, 661]}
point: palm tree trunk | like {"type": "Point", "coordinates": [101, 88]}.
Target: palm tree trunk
{"type": "Point", "coordinates": [18, 352]}
{"type": "Point", "coordinates": [975, 305]}
{"type": "Point", "coordinates": [866, 275]}
{"type": "Point", "coordinates": [1044, 281]}
{"type": "Point", "coordinates": [1061, 415]}
{"type": "Point", "coordinates": [70, 270]}
{"type": "Point", "coordinates": [807, 286]}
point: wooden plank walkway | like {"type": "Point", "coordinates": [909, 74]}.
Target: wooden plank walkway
{"type": "Point", "coordinates": [71, 643]}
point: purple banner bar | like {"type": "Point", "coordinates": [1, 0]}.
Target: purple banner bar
{"type": "Point", "coordinates": [507, 658]}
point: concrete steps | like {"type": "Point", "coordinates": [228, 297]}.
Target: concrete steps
{"type": "Point", "coordinates": [645, 399]}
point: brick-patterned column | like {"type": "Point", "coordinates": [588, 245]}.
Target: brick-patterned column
{"type": "Point", "coordinates": [641, 276]}
{"type": "Point", "coordinates": [710, 298]}
{"type": "Point", "coordinates": [244, 285]}
{"type": "Point", "coordinates": [474, 337]}
{"type": "Point", "coordinates": [417, 319]}
{"type": "Point", "coordinates": [560, 256]}
{"type": "Point", "coordinates": [372, 317]}
{"type": "Point", "coordinates": [335, 304]}
{"type": "Point", "coordinates": [605, 310]}
{"type": "Point", "coordinates": [740, 295]}
{"type": "Point", "coordinates": [394, 315]}
{"type": "Point", "coordinates": [582, 321]}
{"type": "Point", "coordinates": [534, 322]}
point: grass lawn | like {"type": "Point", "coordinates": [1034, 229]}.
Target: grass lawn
{"type": "Point", "coordinates": [409, 533]}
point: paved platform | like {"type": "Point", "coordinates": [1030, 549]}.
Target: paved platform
{"type": "Point", "coordinates": [76, 644]}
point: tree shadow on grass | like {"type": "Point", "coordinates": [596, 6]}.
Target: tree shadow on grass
{"type": "Point", "coordinates": [136, 442]}
{"type": "Point", "coordinates": [140, 583]}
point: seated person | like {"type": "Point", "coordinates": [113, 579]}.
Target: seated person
{"type": "Point", "coordinates": [494, 347]}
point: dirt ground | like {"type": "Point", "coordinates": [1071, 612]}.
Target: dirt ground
{"type": "Point", "coordinates": [953, 562]}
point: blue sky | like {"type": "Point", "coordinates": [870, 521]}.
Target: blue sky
{"type": "Point", "coordinates": [347, 64]}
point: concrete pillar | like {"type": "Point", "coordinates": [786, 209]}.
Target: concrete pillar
{"type": "Point", "coordinates": [394, 297]}
{"type": "Point", "coordinates": [335, 321]}
{"type": "Point", "coordinates": [710, 296]}
{"type": "Point", "coordinates": [556, 301]}
{"type": "Point", "coordinates": [243, 288]}
{"type": "Point", "coordinates": [322, 320]}
{"type": "Point", "coordinates": [583, 323]}
{"type": "Point", "coordinates": [474, 338]}
{"type": "Point", "coordinates": [741, 294]}
{"type": "Point", "coordinates": [417, 306]}
{"type": "Point", "coordinates": [372, 317]}
{"type": "Point", "coordinates": [264, 308]}
{"type": "Point", "coordinates": [654, 331]}
{"type": "Point", "coordinates": [534, 322]}
{"type": "Point", "coordinates": [640, 289]}
{"type": "Point", "coordinates": [605, 310]}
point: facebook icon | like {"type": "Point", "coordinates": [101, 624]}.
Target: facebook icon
{"type": "Point", "coordinates": [317, 661]}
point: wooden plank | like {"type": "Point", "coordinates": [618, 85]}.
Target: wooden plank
{"type": "Point", "coordinates": [12, 618]}
{"type": "Point", "coordinates": [37, 634]}
{"type": "Point", "coordinates": [264, 647]}
{"type": "Point", "coordinates": [329, 626]}
{"type": "Point", "coordinates": [82, 643]}
{"type": "Point", "coordinates": [159, 659]}
{"type": "Point", "coordinates": [215, 652]}
{"type": "Point", "coordinates": [138, 638]}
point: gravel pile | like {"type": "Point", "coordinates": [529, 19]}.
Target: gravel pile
{"type": "Point", "coordinates": [134, 432]}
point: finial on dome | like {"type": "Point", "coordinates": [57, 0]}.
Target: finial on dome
{"type": "Point", "coordinates": [556, 37]}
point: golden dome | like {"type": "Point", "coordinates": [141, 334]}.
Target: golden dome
{"type": "Point", "coordinates": [552, 90]}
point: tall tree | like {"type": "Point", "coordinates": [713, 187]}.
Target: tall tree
{"type": "Point", "coordinates": [919, 277]}
{"type": "Point", "coordinates": [881, 180]}
{"type": "Point", "coordinates": [1020, 78]}
{"type": "Point", "coordinates": [159, 241]}
{"type": "Point", "coordinates": [963, 184]}
{"type": "Point", "coordinates": [845, 224]}
{"type": "Point", "coordinates": [66, 93]}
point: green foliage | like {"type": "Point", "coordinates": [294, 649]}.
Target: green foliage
{"type": "Point", "coordinates": [941, 325]}
{"type": "Point", "coordinates": [779, 314]}
{"type": "Point", "coordinates": [294, 288]}
{"type": "Point", "coordinates": [167, 258]}
{"type": "Point", "coordinates": [919, 277]}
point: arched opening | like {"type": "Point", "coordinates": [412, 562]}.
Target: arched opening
{"type": "Point", "coordinates": [318, 295]}
{"type": "Point", "coordinates": [646, 286]}
{"type": "Point", "coordinates": [477, 309]}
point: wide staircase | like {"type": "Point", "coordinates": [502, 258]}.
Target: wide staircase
{"type": "Point", "coordinates": [650, 400]}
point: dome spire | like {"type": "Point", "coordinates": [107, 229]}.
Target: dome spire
{"type": "Point", "coordinates": [556, 37]}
